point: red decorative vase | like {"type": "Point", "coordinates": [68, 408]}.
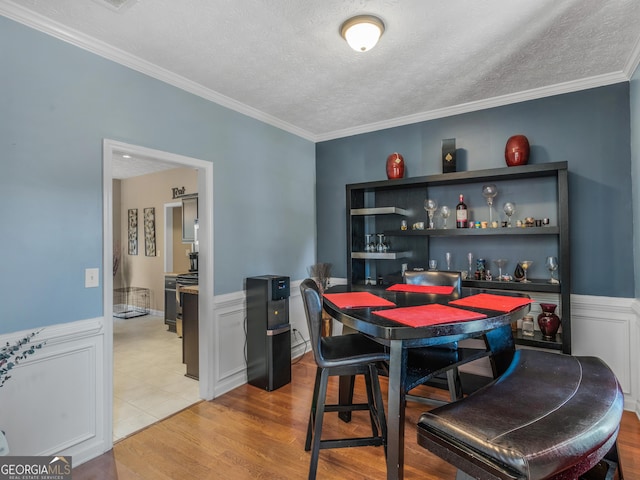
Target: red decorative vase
{"type": "Point", "coordinates": [516, 152]}
{"type": "Point", "coordinates": [395, 166]}
{"type": "Point", "coordinates": [548, 321]}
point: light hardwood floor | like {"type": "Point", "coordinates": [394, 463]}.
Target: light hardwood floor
{"type": "Point", "coordinates": [253, 434]}
{"type": "Point", "coordinates": [149, 382]}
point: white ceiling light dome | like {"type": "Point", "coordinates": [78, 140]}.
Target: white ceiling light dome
{"type": "Point", "coordinates": [362, 32]}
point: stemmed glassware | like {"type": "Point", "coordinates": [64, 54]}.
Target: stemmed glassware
{"type": "Point", "coordinates": [552, 266]}
{"type": "Point", "coordinates": [525, 266]}
{"type": "Point", "coordinates": [447, 258]}
{"type": "Point", "coordinates": [444, 213]}
{"type": "Point", "coordinates": [500, 263]}
{"type": "Point", "coordinates": [509, 209]}
{"type": "Point", "coordinates": [368, 246]}
{"type": "Point", "coordinates": [381, 247]}
{"type": "Point", "coordinates": [489, 192]}
{"type": "Point", "coordinates": [430, 206]}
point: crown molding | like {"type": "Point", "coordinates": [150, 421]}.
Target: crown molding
{"type": "Point", "coordinates": [59, 31]}
{"type": "Point", "coordinates": [634, 60]}
{"type": "Point", "coordinates": [533, 94]}
{"type": "Point", "coordinates": [45, 25]}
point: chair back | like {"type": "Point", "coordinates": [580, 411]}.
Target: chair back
{"type": "Point", "coordinates": [313, 310]}
{"type": "Point", "coordinates": [434, 278]}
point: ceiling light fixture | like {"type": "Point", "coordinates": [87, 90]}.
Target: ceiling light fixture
{"type": "Point", "coordinates": [362, 32]}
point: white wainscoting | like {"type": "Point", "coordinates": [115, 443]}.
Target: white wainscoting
{"type": "Point", "coordinates": [230, 334]}
{"type": "Point", "coordinates": [54, 402]}
{"type": "Point", "coordinates": [602, 327]}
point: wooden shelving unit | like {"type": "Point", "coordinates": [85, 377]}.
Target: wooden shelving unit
{"type": "Point", "coordinates": [378, 207]}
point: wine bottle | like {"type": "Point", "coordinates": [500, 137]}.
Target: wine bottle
{"type": "Point", "coordinates": [461, 213]}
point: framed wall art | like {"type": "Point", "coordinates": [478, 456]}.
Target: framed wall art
{"type": "Point", "coordinates": [133, 231]}
{"type": "Point", "coordinates": [150, 232]}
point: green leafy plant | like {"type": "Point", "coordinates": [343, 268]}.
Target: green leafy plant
{"type": "Point", "coordinates": [12, 355]}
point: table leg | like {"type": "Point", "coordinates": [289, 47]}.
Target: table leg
{"type": "Point", "coordinates": [396, 407]}
{"type": "Point", "coordinates": [345, 395]}
{"type": "Point", "coordinates": [345, 392]}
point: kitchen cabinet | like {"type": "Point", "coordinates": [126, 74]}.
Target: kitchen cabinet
{"type": "Point", "coordinates": [539, 191]}
{"type": "Point", "coordinates": [190, 347]}
{"type": "Point", "coordinates": [189, 217]}
{"type": "Point", "coordinates": [170, 302]}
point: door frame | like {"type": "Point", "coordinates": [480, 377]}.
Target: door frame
{"type": "Point", "coordinates": [206, 308]}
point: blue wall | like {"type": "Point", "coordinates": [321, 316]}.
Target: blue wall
{"type": "Point", "coordinates": [57, 103]}
{"type": "Point", "coordinates": [589, 129]}
{"type": "Point", "coordinates": [635, 165]}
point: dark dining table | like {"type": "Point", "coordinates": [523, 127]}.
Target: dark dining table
{"type": "Point", "coordinates": [400, 338]}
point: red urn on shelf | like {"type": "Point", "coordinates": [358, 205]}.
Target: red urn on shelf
{"type": "Point", "coordinates": [548, 321]}
{"type": "Point", "coordinates": [516, 152]}
{"type": "Point", "coordinates": [395, 166]}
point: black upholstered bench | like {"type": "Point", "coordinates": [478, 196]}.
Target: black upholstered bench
{"type": "Point", "coordinates": [549, 416]}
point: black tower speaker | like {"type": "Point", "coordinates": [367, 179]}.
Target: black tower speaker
{"type": "Point", "coordinates": [268, 331]}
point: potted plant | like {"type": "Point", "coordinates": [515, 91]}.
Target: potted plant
{"type": "Point", "coordinates": [10, 356]}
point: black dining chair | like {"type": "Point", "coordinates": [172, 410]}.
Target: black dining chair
{"type": "Point", "coordinates": [448, 378]}
{"type": "Point", "coordinates": [343, 355]}
{"type": "Point", "coordinates": [433, 278]}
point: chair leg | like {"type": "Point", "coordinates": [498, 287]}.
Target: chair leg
{"type": "Point", "coordinates": [317, 433]}
{"type": "Point", "coordinates": [312, 412]}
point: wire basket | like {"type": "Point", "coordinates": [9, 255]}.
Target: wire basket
{"type": "Point", "coordinates": [130, 302]}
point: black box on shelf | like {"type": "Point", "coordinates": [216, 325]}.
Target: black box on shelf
{"type": "Point", "coordinates": [449, 155]}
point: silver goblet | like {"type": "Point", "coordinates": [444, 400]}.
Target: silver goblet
{"type": "Point", "coordinates": [489, 192]}
{"type": "Point", "coordinates": [500, 263]}
{"type": "Point", "coordinates": [444, 213]}
{"type": "Point", "coordinates": [430, 206]}
{"type": "Point", "coordinates": [509, 209]}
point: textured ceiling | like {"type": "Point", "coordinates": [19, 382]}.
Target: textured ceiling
{"type": "Point", "coordinates": [124, 165]}
{"type": "Point", "coordinates": [284, 62]}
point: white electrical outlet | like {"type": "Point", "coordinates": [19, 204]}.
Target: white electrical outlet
{"type": "Point", "coordinates": [91, 277]}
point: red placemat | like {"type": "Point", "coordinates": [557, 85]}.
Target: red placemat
{"type": "Point", "coordinates": [488, 301]}
{"type": "Point", "coordinates": [357, 300]}
{"type": "Point", "coordinates": [426, 315]}
{"type": "Point", "coordinates": [437, 289]}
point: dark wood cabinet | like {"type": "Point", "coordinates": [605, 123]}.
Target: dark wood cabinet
{"type": "Point", "coordinates": [190, 347]}
{"type": "Point", "coordinates": [170, 302]}
{"type": "Point", "coordinates": [538, 191]}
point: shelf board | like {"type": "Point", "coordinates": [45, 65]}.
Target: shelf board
{"type": "Point", "coordinates": [380, 256]}
{"type": "Point", "coordinates": [474, 176]}
{"type": "Point", "coordinates": [538, 340]}
{"type": "Point", "coordinates": [536, 285]}
{"type": "Point", "coordinates": [461, 232]}
{"type": "Point", "coordinates": [380, 211]}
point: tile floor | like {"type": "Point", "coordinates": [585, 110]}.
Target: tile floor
{"type": "Point", "coordinates": [148, 374]}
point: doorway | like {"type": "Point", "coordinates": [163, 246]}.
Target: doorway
{"type": "Point", "coordinates": [207, 369]}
